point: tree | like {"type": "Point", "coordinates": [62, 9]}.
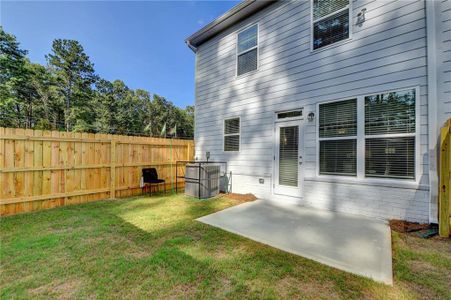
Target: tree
{"type": "Point", "coordinates": [16, 92]}
{"type": "Point", "coordinates": [68, 95]}
{"type": "Point", "coordinates": [49, 111]}
{"type": "Point", "coordinates": [105, 107]}
{"type": "Point", "coordinates": [75, 74]}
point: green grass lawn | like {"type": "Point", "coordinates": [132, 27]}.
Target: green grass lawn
{"type": "Point", "coordinates": [153, 248]}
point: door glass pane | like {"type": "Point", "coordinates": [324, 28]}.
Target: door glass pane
{"type": "Point", "coordinates": [288, 156]}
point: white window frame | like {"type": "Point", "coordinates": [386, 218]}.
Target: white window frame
{"type": "Point", "coordinates": [231, 134]}
{"type": "Point", "coordinates": [361, 137]}
{"type": "Point", "coordinates": [312, 22]}
{"type": "Point", "coordinates": [247, 50]}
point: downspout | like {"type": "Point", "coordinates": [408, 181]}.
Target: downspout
{"type": "Point", "coordinates": [194, 49]}
{"type": "Point", "coordinates": [433, 127]}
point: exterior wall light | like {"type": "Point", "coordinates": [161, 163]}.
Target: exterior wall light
{"type": "Point", "coordinates": [361, 17]}
{"type": "Point", "coordinates": [311, 116]}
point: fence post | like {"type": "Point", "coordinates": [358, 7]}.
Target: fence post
{"type": "Point", "coordinates": [113, 169]}
{"type": "Point", "coordinates": [445, 170]}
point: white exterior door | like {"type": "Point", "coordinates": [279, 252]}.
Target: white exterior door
{"type": "Point", "coordinates": [287, 158]}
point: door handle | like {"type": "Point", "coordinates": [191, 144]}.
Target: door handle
{"type": "Point", "coordinates": [300, 160]}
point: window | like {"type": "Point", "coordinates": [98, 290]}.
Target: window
{"type": "Point", "coordinates": [289, 114]}
{"type": "Point", "coordinates": [247, 50]}
{"type": "Point", "coordinates": [383, 126]}
{"type": "Point", "coordinates": [232, 134]}
{"type": "Point", "coordinates": [390, 135]}
{"type": "Point", "coordinates": [338, 135]}
{"type": "Point", "coordinates": [330, 22]}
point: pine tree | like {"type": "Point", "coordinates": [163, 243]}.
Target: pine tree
{"type": "Point", "coordinates": [16, 92]}
{"type": "Point", "coordinates": [75, 74]}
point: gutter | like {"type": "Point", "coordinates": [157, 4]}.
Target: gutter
{"type": "Point", "coordinates": [194, 49]}
{"type": "Point", "coordinates": [236, 14]}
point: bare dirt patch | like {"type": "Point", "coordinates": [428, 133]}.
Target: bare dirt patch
{"type": "Point", "coordinates": [290, 287]}
{"type": "Point", "coordinates": [61, 289]}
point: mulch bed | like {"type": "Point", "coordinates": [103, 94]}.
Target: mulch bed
{"type": "Point", "coordinates": [241, 197]}
{"type": "Point", "coordinates": [405, 227]}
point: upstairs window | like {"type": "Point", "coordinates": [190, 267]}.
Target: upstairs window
{"type": "Point", "coordinates": [330, 22]}
{"type": "Point", "coordinates": [232, 134]}
{"type": "Point", "coordinates": [247, 50]}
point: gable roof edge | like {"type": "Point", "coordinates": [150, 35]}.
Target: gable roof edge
{"type": "Point", "coordinates": [228, 19]}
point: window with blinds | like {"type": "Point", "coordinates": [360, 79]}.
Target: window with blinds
{"type": "Point", "coordinates": [330, 22]}
{"type": "Point", "coordinates": [232, 134]}
{"type": "Point", "coordinates": [247, 50]}
{"type": "Point", "coordinates": [288, 155]}
{"type": "Point", "coordinates": [382, 125]}
{"type": "Point", "coordinates": [386, 115]}
{"type": "Point", "coordinates": [338, 138]}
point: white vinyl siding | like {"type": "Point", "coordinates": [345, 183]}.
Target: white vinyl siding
{"type": "Point", "coordinates": [444, 61]}
{"type": "Point", "coordinates": [247, 50]}
{"type": "Point", "coordinates": [232, 134]}
{"type": "Point", "coordinates": [388, 52]}
{"type": "Point", "coordinates": [331, 22]}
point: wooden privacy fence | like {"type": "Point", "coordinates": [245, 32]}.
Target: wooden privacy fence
{"type": "Point", "coordinates": [44, 169]}
{"type": "Point", "coordinates": [445, 180]}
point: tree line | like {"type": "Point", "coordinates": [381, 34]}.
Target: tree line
{"type": "Point", "coordinates": [66, 94]}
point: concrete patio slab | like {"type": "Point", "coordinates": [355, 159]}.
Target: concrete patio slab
{"type": "Point", "coordinates": [351, 243]}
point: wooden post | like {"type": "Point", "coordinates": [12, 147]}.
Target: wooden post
{"type": "Point", "coordinates": [445, 180]}
{"type": "Point", "coordinates": [113, 170]}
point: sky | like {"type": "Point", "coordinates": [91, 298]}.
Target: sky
{"type": "Point", "coordinates": [139, 42]}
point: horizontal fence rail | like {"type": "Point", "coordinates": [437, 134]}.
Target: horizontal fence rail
{"type": "Point", "coordinates": [45, 169]}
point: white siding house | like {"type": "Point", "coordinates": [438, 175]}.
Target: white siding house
{"type": "Point", "coordinates": [330, 104]}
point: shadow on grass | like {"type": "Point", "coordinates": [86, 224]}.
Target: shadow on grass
{"type": "Point", "coordinates": [153, 247]}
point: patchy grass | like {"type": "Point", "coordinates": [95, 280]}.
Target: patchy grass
{"type": "Point", "coordinates": [153, 248]}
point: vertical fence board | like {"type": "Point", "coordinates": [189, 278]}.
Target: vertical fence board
{"type": "Point", "coordinates": [46, 162]}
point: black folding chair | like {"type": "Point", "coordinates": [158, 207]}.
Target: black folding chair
{"type": "Point", "coordinates": [150, 177]}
